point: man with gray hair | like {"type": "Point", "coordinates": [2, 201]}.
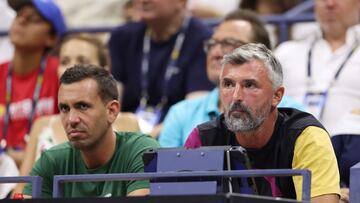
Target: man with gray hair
{"type": "Point", "coordinates": [250, 90]}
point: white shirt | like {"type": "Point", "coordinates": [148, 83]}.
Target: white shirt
{"type": "Point", "coordinates": [7, 168]}
{"type": "Point", "coordinates": [344, 94]}
{"type": "Point", "coordinates": [348, 124]}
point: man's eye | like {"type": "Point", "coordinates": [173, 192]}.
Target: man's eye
{"type": "Point", "coordinates": [249, 85]}
{"type": "Point", "coordinates": [227, 84]}
{"type": "Point", "coordinates": [83, 106]}
{"type": "Point", "coordinates": [64, 109]}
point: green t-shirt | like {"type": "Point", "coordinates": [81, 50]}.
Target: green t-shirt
{"type": "Point", "coordinates": [65, 160]}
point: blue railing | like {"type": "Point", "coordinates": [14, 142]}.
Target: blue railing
{"type": "Point", "coordinates": [306, 175]}
{"type": "Point", "coordinates": [35, 181]}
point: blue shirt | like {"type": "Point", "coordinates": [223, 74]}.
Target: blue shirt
{"type": "Point", "coordinates": [187, 114]}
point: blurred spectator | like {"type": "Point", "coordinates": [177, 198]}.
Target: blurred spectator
{"type": "Point", "coordinates": [48, 131]}
{"type": "Point", "coordinates": [29, 82]}
{"type": "Point", "coordinates": [322, 70]}
{"type": "Point", "coordinates": [239, 27]}
{"type": "Point", "coordinates": [159, 61]}
{"type": "Point", "coordinates": [346, 142]}
{"type": "Point", "coordinates": [7, 15]}
{"type": "Point", "coordinates": [270, 7]}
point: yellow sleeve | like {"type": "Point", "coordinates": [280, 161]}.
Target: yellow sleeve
{"type": "Point", "coordinates": [314, 151]}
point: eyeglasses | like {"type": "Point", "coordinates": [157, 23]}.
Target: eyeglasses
{"type": "Point", "coordinates": [227, 44]}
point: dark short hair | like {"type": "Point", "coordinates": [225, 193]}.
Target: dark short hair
{"type": "Point", "coordinates": [107, 87]}
{"type": "Point", "coordinates": [259, 34]}
{"type": "Point", "coordinates": [100, 47]}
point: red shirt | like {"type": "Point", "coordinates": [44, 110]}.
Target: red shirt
{"type": "Point", "coordinates": [22, 92]}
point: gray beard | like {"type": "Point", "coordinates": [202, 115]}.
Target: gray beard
{"type": "Point", "coordinates": [247, 122]}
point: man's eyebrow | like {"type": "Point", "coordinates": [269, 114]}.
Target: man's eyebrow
{"type": "Point", "coordinates": [85, 103]}
{"type": "Point", "coordinates": [82, 102]}
{"type": "Point", "coordinates": [227, 78]}
{"type": "Point", "coordinates": [249, 80]}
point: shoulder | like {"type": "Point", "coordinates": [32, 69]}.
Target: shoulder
{"type": "Point", "coordinates": [198, 30]}
{"type": "Point", "coordinates": [58, 153]}
{"type": "Point", "coordinates": [136, 139]}
{"type": "Point", "coordinates": [316, 136]}
{"type": "Point", "coordinates": [64, 147]}
{"type": "Point", "coordinates": [296, 119]}
{"type": "Point", "coordinates": [128, 30]}
{"type": "Point", "coordinates": [210, 125]}
{"type": "Point", "coordinates": [52, 63]}
{"type": "Point", "coordinates": [287, 47]}
{"type": "Point", "coordinates": [198, 24]}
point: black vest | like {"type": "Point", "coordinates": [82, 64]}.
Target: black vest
{"type": "Point", "coordinates": [276, 154]}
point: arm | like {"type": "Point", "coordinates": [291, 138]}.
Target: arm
{"type": "Point", "coordinates": [30, 151]}
{"type": "Point", "coordinates": [325, 198]}
{"type": "Point", "coordinates": [16, 155]}
{"type": "Point", "coordinates": [44, 167]}
{"type": "Point", "coordinates": [313, 151]}
{"type": "Point", "coordinates": [139, 192]}
{"type": "Point", "coordinates": [345, 198]}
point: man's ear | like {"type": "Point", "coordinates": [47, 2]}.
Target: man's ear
{"type": "Point", "coordinates": [278, 94]}
{"type": "Point", "coordinates": [113, 109]}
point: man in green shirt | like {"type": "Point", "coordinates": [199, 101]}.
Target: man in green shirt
{"type": "Point", "coordinates": [88, 104]}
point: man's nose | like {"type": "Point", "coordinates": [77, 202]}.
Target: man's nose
{"type": "Point", "coordinates": [73, 117]}
{"type": "Point", "coordinates": [238, 94]}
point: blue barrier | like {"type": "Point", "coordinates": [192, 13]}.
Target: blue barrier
{"type": "Point", "coordinates": [36, 182]}
{"type": "Point", "coordinates": [306, 175]}
{"type": "Point", "coordinates": [355, 183]}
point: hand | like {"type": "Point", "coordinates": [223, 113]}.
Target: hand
{"type": "Point", "coordinates": [344, 195]}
